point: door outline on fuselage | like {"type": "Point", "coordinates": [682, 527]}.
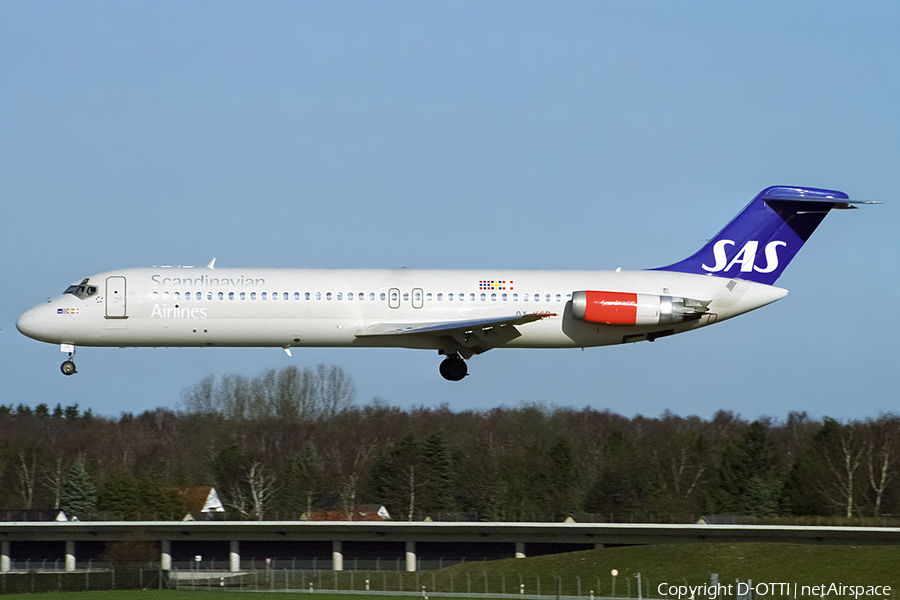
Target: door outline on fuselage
{"type": "Point", "coordinates": [116, 307]}
{"type": "Point", "coordinates": [394, 298]}
{"type": "Point", "coordinates": [418, 298]}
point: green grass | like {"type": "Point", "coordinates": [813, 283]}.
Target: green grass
{"type": "Point", "coordinates": [673, 564]}
{"type": "Point", "coordinates": [143, 595]}
{"type": "Point", "coordinates": [799, 563]}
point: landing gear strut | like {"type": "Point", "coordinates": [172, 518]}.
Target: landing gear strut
{"type": "Point", "coordinates": [68, 367]}
{"type": "Point", "coordinates": [454, 368]}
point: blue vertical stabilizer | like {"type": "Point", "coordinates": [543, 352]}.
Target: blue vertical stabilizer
{"type": "Point", "coordinates": [759, 243]}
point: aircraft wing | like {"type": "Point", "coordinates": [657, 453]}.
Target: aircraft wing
{"type": "Point", "coordinates": [474, 335]}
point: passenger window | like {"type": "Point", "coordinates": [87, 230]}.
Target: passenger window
{"type": "Point", "coordinates": [296, 295]}
{"type": "Point", "coordinates": [154, 295]}
{"type": "Point", "coordinates": [176, 295]}
{"type": "Point", "coordinates": [318, 295]}
{"type": "Point", "coordinates": [253, 295]}
{"type": "Point", "coordinates": [440, 296]}
{"type": "Point", "coordinates": [503, 297]}
{"type": "Point", "coordinates": [221, 295]}
{"type": "Point", "coordinates": [231, 295]}
{"type": "Point", "coordinates": [428, 296]}
{"type": "Point", "coordinates": [349, 295]}
{"type": "Point", "coordinates": [449, 297]}
{"type": "Point", "coordinates": [546, 297]}
{"type": "Point", "coordinates": [209, 295]}
{"type": "Point", "coordinates": [471, 297]}
{"type": "Point", "coordinates": [406, 296]}
{"type": "Point", "coordinates": [243, 295]}
{"type": "Point", "coordinates": [515, 297]}
{"type": "Point", "coordinates": [340, 295]}
{"type": "Point", "coordinates": [328, 295]}
{"type": "Point", "coordinates": [559, 298]}
{"type": "Point", "coordinates": [482, 297]}
{"type": "Point", "coordinates": [383, 296]}
{"type": "Point", "coordinates": [263, 296]}
{"type": "Point", "coordinates": [187, 295]}
{"type": "Point", "coordinates": [372, 296]}
{"type": "Point", "coordinates": [394, 297]}
{"type": "Point", "coordinates": [524, 297]}
{"type": "Point", "coordinates": [493, 297]}
{"type": "Point", "coordinates": [306, 296]}
{"type": "Point", "coordinates": [165, 295]}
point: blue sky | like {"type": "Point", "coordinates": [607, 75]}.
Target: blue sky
{"type": "Point", "coordinates": [519, 135]}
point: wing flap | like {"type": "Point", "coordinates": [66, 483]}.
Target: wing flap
{"type": "Point", "coordinates": [463, 337]}
{"type": "Point", "coordinates": [449, 327]}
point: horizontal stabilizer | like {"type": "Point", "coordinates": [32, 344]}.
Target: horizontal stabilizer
{"type": "Point", "coordinates": [835, 203]}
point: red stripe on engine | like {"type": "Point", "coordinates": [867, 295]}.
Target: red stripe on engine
{"type": "Point", "coordinates": [614, 308]}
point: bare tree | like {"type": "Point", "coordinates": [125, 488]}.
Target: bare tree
{"type": "Point", "coordinates": [349, 461]}
{"type": "Point", "coordinates": [682, 452]}
{"type": "Point", "coordinates": [336, 390]}
{"type": "Point", "coordinates": [882, 441]}
{"type": "Point", "coordinates": [26, 477]}
{"type": "Point", "coordinates": [54, 478]}
{"type": "Point", "coordinates": [262, 487]}
{"type": "Point", "coordinates": [293, 399]}
{"type": "Point", "coordinates": [399, 473]}
{"type": "Point", "coordinates": [843, 452]}
{"type": "Point", "coordinates": [289, 395]}
{"type": "Point", "coordinates": [251, 496]}
{"type": "Point", "coordinates": [199, 397]}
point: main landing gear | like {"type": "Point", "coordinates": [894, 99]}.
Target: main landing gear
{"type": "Point", "coordinates": [454, 368]}
{"type": "Point", "coordinates": [68, 367]}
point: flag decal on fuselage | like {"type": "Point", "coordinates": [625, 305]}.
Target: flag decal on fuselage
{"type": "Point", "coordinates": [493, 284]}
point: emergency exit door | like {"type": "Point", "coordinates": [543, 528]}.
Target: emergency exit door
{"type": "Point", "coordinates": [115, 298]}
{"type": "Point", "coordinates": [394, 298]}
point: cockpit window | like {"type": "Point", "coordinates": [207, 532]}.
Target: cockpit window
{"type": "Point", "coordinates": [82, 290]}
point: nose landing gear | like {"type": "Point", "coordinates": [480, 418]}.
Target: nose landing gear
{"type": "Point", "coordinates": [68, 367]}
{"type": "Point", "coordinates": [454, 368]}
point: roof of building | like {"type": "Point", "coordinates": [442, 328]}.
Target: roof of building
{"type": "Point", "coordinates": [365, 512]}
{"type": "Point", "coordinates": [201, 500]}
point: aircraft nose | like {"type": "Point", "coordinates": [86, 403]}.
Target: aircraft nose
{"type": "Point", "coordinates": [27, 324]}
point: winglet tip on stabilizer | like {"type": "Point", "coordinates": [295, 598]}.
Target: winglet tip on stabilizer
{"type": "Point", "coordinates": [838, 200]}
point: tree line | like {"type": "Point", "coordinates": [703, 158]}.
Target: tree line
{"type": "Point", "coordinates": [285, 443]}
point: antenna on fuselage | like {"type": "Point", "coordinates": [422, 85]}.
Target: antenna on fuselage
{"type": "Point", "coordinates": [212, 264]}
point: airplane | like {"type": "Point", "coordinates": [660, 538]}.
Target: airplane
{"type": "Point", "coordinates": [459, 313]}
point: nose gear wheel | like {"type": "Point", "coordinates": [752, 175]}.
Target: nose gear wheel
{"type": "Point", "coordinates": [68, 367]}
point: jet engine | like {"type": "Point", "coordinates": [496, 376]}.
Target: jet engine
{"type": "Point", "coordinates": [627, 308]}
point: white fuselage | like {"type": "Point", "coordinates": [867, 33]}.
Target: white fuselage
{"type": "Point", "coordinates": [312, 307]}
